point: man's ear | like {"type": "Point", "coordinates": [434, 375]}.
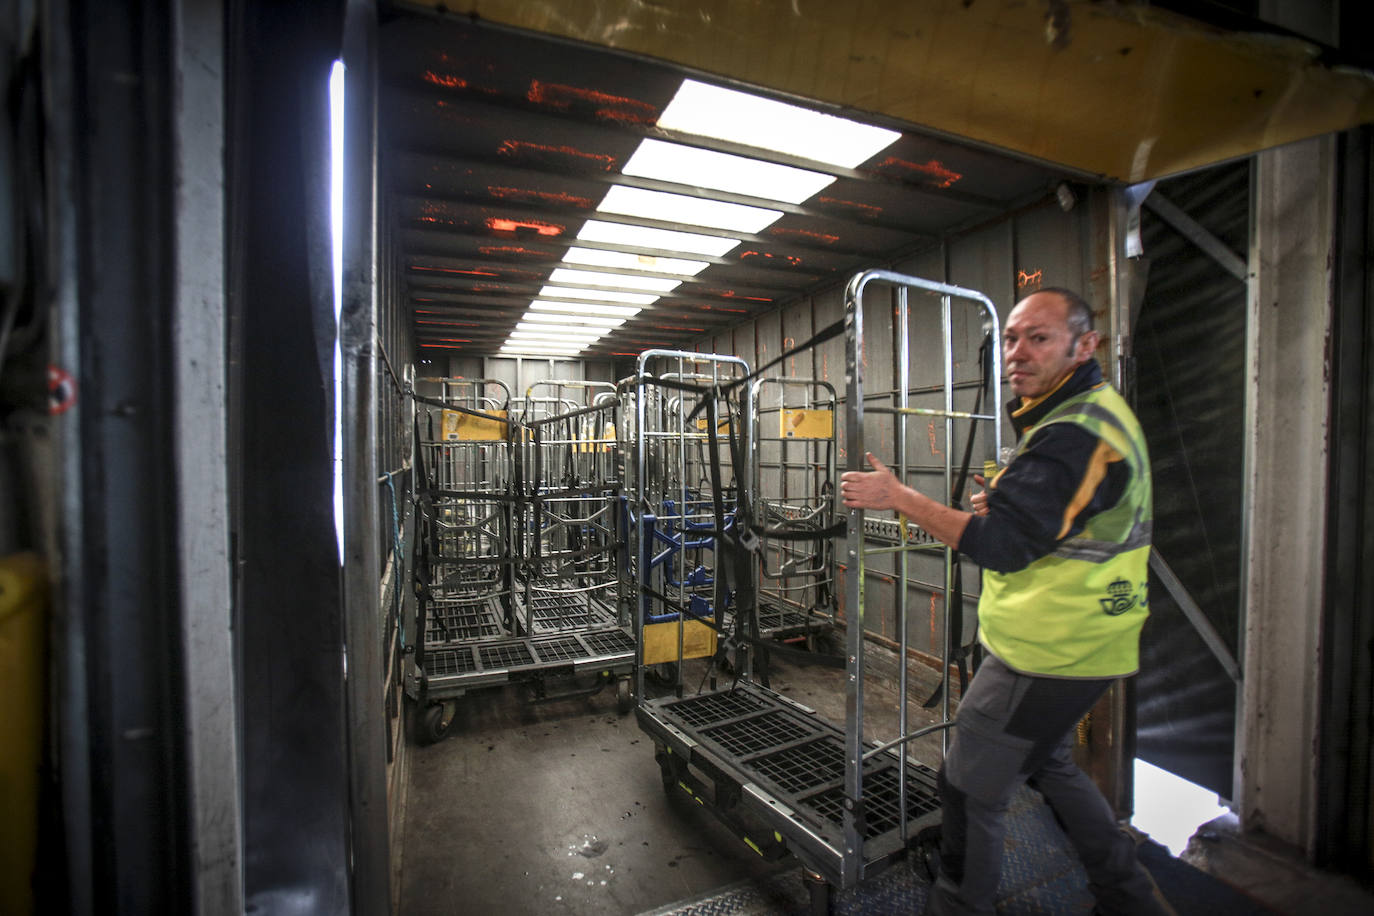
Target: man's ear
{"type": "Point", "coordinates": [1086, 346]}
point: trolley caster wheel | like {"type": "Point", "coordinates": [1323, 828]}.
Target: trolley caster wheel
{"type": "Point", "coordinates": [668, 771]}
{"type": "Point", "coordinates": [818, 893]}
{"type": "Point", "coordinates": [432, 724]}
{"type": "Point", "coordinates": [664, 674]}
{"type": "Point", "coordinates": [624, 700]}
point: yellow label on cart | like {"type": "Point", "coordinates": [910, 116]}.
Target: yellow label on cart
{"type": "Point", "coordinates": [795, 423]}
{"type": "Point", "coordinates": [660, 641]}
{"type": "Point", "coordinates": [722, 426]}
{"type": "Point", "coordinates": [464, 427]}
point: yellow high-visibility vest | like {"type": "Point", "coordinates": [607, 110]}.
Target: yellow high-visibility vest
{"type": "Point", "coordinates": [1077, 612]}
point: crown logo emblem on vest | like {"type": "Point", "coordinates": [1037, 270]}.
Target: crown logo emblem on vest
{"type": "Point", "coordinates": [1119, 599]}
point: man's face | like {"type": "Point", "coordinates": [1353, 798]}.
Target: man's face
{"type": "Point", "coordinates": [1038, 347]}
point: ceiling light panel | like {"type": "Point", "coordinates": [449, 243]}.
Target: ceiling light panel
{"type": "Point", "coordinates": [567, 292]}
{"type": "Point", "coordinates": [597, 257]}
{"type": "Point", "coordinates": [569, 330]}
{"type": "Point", "coordinates": [535, 347]}
{"type": "Point", "coordinates": [595, 230]}
{"type": "Point", "coordinates": [588, 308]}
{"type": "Point", "coordinates": [724, 172]}
{"type": "Point", "coordinates": [629, 281]}
{"type": "Point", "coordinates": [689, 211]}
{"type": "Point", "coordinates": [749, 120]}
{"type": "Point", "coordinates": [600, 322]}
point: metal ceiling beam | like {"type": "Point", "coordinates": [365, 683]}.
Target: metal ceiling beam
{"type": "Point", "coordinates": [602, 177]}
{"type": "Point", "coordinates": [578, 213]}
{"type": "Point", "coordinates": [501, 108]}
{"type": "Point", "coordinates": [693, 289]}
{"type": "Point", "coordinates": [784, 274]}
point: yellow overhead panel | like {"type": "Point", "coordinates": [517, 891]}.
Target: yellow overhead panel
{"type": "Point", "coordinates": [1120, 90]}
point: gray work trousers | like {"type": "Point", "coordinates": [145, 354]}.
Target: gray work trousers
{"type": "Point", "coordinates": [1014, 728]}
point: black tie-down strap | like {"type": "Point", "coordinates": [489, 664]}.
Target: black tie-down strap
{"type": "Point", "coordinates": [958, 651]}
{"type": "Point", "coordinates": [741, 548]}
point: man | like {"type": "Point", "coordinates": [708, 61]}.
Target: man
{"type": "Point", "coordinates": [1063, 536]}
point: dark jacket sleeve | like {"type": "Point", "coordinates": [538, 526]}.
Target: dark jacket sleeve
{"type": "Point", "coordinates": [1026, 508]}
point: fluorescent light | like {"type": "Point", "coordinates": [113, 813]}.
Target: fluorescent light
{"type": "Point", "coordinates": [595, 278]}
{"type": "Point", "coordinates": [531, 346]}
{"type": "Point", "coordinates": [597, 257]}
{"type": "Point", "coordinates": [567, 292]}
{"type": "Point", "coordinates": [561, 340]}
{"type": "Point", "coordinates": [739, 117]}
{"type": "Point", "coordinates": [724, 172]}
{"type": "Point", "coordinates": [602, 322]}
{"type": "Point", "coordinates": [691, 211]}
{"type": "Point", "coordinates": [585, 308]}
{"type": "Point", "coordinates": [595, 230]}
{"type": "Point", "coordinates": [568, 330]}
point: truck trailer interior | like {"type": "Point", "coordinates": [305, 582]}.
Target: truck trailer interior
{"type": "Point", "coordinates": [421, 428]}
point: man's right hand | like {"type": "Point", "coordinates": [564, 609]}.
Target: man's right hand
{"type": "Point", "coordinates": [979, 499]}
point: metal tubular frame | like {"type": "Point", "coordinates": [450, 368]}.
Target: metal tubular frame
{"type": "Point", "coordinates": [494, 525]}
{"type": "Point", "coordinates": [560, 516]}
{"type": "Point", "coordinates": [859, 528]}
{"type": "Point", "coordinates": [770, 768]}
{"type": "Point", "coordinates": [787, 615]}
{"type": "Point", "coordinates": [666, 433]}
{"type": "Point", "coordinates": [470, 526]}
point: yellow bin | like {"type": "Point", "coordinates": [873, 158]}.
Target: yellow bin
{"type": "Point", "coordinates": [22, 664]}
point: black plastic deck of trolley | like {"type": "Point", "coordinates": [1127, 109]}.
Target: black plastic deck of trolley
{"type": "Point", "coordinates": [455, 667]}
{"type": "Point", "coordinates": [785, 764]}
{"type": "Point", "coordinates": [555, 613]}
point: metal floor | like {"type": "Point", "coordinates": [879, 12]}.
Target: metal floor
{"type": "Point", "coordinates": [558, 808]}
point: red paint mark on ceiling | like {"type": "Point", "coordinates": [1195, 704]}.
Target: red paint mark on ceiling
{"type": "Point", "coordinates": [447, 80]}
{"type": "Point", "coordinates": [557, 197]}
{"type": "Point", "coordinates": [824, 238]}
{"type": "Point", "coordinates": [514, 249]}
{"type": "Point", "coordinates": [933, 169]}
{"type": "Point", "coordinates": [1024, 279]}
{"type": "Point", "coordinates": [445, 324]}
{"type": "Point", "coordinates": [473, 272]}
{"type": "Point", "coordinates": [518, 147]}
{"type": "Point", "coordinates": [721, 308]}
{"type": "Point", "coordinates": [731, 294]}
{"type": "Point", "coordinates": [768, 256]}
{"type": "Point", "coordinates": [500, 224]}
{"type": "Point", "coordinates": [608, 107]}
{"type": "Point", "coordinates": [868, 209]}
{"type": "Point", "coordinates": [439, 346]}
